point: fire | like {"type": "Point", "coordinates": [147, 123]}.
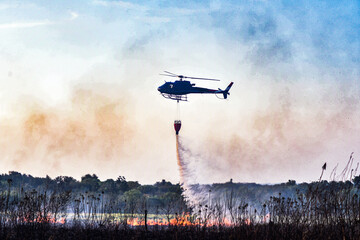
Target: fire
{"type": "Point", "coordinates": [182, 220]}
{"type": "Point", "coordinates": [47, 219]}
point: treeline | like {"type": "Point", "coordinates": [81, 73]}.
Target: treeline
{"type": "Point", "coordinates": [156, 195]}
{"type": "Point", "coordinates": [89, 183]}
{"type": "Point", "coordinates": [162, 191]}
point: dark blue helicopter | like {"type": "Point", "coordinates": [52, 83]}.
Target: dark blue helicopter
{"type": "Point", "coordinates": [179, 89]}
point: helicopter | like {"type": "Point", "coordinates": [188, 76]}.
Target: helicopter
{"type": "Point", "coordinates": [179, 89]}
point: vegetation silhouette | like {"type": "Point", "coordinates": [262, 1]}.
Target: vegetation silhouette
{"type": "Point", "coordinates": [46, 208]}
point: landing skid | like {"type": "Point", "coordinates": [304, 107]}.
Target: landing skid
{"type": "Point", "coordinates": [175, 97]}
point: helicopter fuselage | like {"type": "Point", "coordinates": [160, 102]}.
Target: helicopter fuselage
{"type": "Point", "coordinates": [183, 87]}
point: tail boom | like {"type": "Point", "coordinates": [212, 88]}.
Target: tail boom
{"type": "Point", "coordinates": [226, 91]}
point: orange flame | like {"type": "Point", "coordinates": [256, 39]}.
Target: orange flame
{"type": "Point", "coordinates": [182, 220]}
{"type": "Point", "coordinates": [47, 219]}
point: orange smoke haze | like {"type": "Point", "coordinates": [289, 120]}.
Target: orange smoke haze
{"type": "Point", "coordinates": [93, 130]}
{"type": "Point", "coordinates": [106, 131]}
{"type": "Point", "coordinates": [290, 139]}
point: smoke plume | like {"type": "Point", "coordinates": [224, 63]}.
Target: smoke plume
{"type": "Point", "coordinates": [93, 130]}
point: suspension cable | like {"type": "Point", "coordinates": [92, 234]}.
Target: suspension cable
{"type": "Point", "coordinates": [178, 110]}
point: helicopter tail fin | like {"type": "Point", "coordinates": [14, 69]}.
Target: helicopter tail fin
{"type": "Point", "coordinates": [226, 91]}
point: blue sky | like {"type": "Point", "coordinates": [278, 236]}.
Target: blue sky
{"type": "Point", "coordinates": [295, 65]}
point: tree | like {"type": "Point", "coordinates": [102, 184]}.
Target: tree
{"type": "Point", "coordinates": [91, 182]}
{"type": "Point", "coordinates": [147, 189]}
{"type": "Point", "coordinates": [169, 202]}
{"type": "Point", "coordinates": [291, 183]}
{"type": "Point", "coordinates": [121, 184]}
{"type": "Point", "coordinates": [356, 181]}
{"type": "Point", "coordinates": [65, 183]}
{"type": "Point", "coordinates": [133, 184]}
{"type": "Point", "coordinates": [132, 198]}
{"type": "Point", "coordinates": [109, 186]}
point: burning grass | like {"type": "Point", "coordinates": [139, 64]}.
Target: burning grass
{"type": "Point", "coordinates": [324, 210]}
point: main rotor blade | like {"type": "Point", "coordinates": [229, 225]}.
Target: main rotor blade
{"type": "Point", "coordinates": [171, 73]}
{"type": "Point", "coordinates": [210, 79]}
{"type": "Point", "coordinates": [167, 75]}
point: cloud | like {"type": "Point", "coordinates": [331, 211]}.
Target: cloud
{"type": "Point", "coordinates": [5, 6]}
{"type": "Point", "coordinates": [154, 19]}
{"type": "Point", "coordinates": [74, 15]}
{"type": "Point", "coordinates": [36, 23]}
{"type": "Point", "coordinates": [25, 24]}
{"type": "Point", "coordinates": [121, 4]}
{"type": "Point", "coordinates": [177, 11]}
